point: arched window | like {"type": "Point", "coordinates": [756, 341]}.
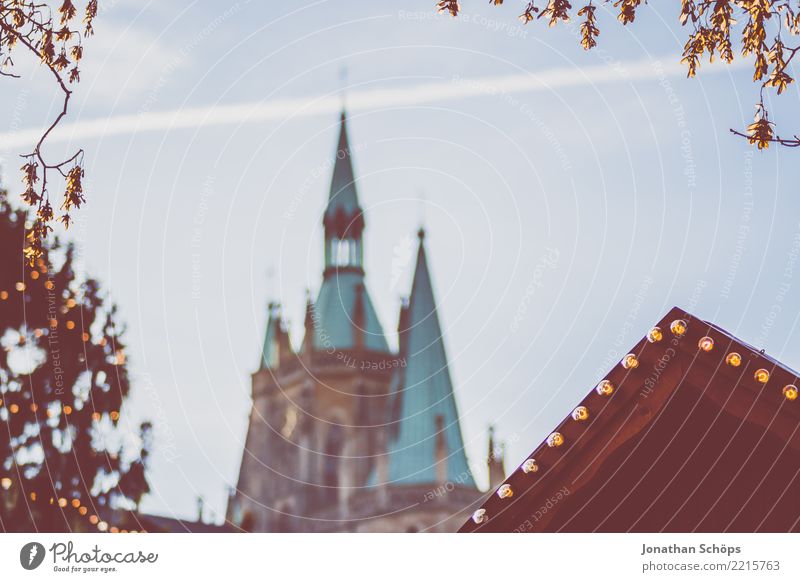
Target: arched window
{"type": "Point", "coordinates": [334, 445]}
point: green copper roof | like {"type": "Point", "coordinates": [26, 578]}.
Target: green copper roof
{"type": "Point", "coordinates": [423, 394]}
{"type": "Point", "coordinates": [343, 198]}
{"type": "Point", "coordinates": [337, 320]}
{"type": "Point", "coordinates": [269, 353]}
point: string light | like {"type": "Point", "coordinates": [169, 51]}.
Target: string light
{"type": "Point", "coordinates": [34, 275]}
{"type": "Point", "coordinates": [20, 286]}
{"type": "Point", "coordinates": [733, 359]}
{"type": "Point", "coordinates": [93, 519]}
{"type": "Point", "coordinates": [555, 440]}
{"type": "Point", "coordinates": [655, 335]}
{"type": "Point", "coordinates": [76, 503]}
{"type": "Point", "coordinates": [530, 466]}
{"type": "Point", "coordinates": [580, 413]}
{"type": "Point", "coordinates": [102, 526]}
{"type": "Point", "coordinates": [678, 327]}
{"type": "Point", "coordinates": [62, 502]}
{"type": "Point", "coordinates": [114, 415]}
{"type": "Point", "coordinates": [83, 510]}
{"type": "Point", "coordinates": [479, 516]}
{"type": "Point", "coordinates": [505, 491]}
{"type": "Point", "coordinates": [70, 324]}
{"type": "Point", "coordinates": [3, 295]}
{"type": "Point", "coordinates": [5, 483]}
{"type": "Point", "coordinates": [761, 376]}
{"type": "Point", "coordinates": [630, 362]}
{"type": "Point", "coordinates": [706, 343]}
{"type": "Point", "coordinates": [67, 409]}
{"type": "Point", "coordinates": [605, 388]}
{"type": "Point", "coordinates": [13, 409]}
{"type": "Point", "coordinates": [790, 392]}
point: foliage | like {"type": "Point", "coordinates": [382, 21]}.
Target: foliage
{"type": "Point", "coordinates": [52, 35]}
{"type": "Point", "coordinates": [64, 458]}
{"type": "Point", "coordinates": [713, 29]}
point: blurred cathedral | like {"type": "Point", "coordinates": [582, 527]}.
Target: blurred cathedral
{"type": "Point", "coordinates": [344, 433]}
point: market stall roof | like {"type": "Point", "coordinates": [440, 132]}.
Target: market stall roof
{"type": "Point", "coordinates": [692, 431]}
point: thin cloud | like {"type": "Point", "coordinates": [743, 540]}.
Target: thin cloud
{"type": "Point", "coordinates": [446, 90]}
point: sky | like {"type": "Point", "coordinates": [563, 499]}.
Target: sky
{"type": "Point", "coordinates": [570, 198]}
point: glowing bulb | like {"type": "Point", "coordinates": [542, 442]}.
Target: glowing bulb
{"type": "Point", "coordinates": [556, 439]}
{"type": "Point", "coordinates": [85, 337]}
{"type": "Point", "coordinates": [678, 327]}
{"type": "Point", "coordinates": [71, 303]}
{"type": "Point", "coordinates": [733, 359]}
{"type": "Point", "coordinates": [34, 275]}
{"type": "Point", "coordinates": [505, 491]}
{"type": "Point", "coordinates": [530, 466]}
{"type": "Point", "coordinates": [62, 502]}
{"type": "Point", "coordinates": [655, 335]}
{"type": "Point", "coordinates": [20, 286]}
{"type": "Point", "coordinates": [67, 409]}
{"type": "Point", "coordinates": [706, 344]}
{"type": "Point", "coordinates": [3, 295]}
{"type": "Point", "coordinates": [95, 416]}
{"type": "Point", "coordinates": [114, 529]}
{"type": "Point", "coordinates": [605, 388]}
{"type": "Point", "coordinates": [14, 408]}
{"type": "Point", "coordinates": [580, 413]}
{"type": "Point", "coordinates": [761, 376]}
{"type": "Point", "coordinates": [76, 503]}
{"type": "Point", "coordinates": [70, 325]}
{"type": "Point", "coordinates": [630, 362]}
{"type": "Point", "coordinates": [479, 516]}
{"type": "Point", "coordinates": [790, 392]}
{"type": "Point", "coordinates": [5, 483]}
{"type": "Point", "coordinates": [93, 519]}
{"type": "Point", "coordinates": [33, 495]}
{"type": "Point", "coordinates": [114, 415]}
{"type": "Point", "coordinates": [102, 526]}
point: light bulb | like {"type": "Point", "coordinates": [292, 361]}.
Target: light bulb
{"type": "Point", "coordinates": [655, 335]}
{"type": "Point", "coordinates": [630, 362]}
{"type": "Point", "coordinates": [706, 344]}
{"type": "Point", "coordinates": [790, 392]}
{"type": "Point", "coordinates": [605, 388]}
{"type": "Point", "coordinates": [556, 439]}
{"type": "Point", "coordinates": [505, 491]}
{"type": "Point", "coordinates": [761, 376]}
{"type": "Point", "coordinates": [580, 413]}
{"type": "Point", "coordinates": [678, 327]}
{"type": "Point", "coordinates": [733, 359]}
{"type": "Point", "coordinates": [530, 466]}
{"type": "Point", "coordinates": [5, 483]}
{"type": "Point", "coordinates": [479, 516]}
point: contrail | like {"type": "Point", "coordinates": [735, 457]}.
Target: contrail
{"type": "Point", "coordinates": [445, 90]}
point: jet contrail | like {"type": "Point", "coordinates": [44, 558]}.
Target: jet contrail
{"type": "Point", "coordinates": [445, 90]}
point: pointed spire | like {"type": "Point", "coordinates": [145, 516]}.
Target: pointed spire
{"type": "Point", "coordinates": [343, 214]}
{"type": "Point", "coordinates": [428, 442]}
{"type": "Point", "coordinates": [495, 461]}
{"type": "Point", "coordinates": [274, 341]}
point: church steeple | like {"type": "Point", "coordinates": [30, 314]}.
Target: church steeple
{"type": "Point", "coordinates": [343, 219]}
{"type": "Point", "coordinates": [426, 445]}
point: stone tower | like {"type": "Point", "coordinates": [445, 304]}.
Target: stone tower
{"type": "Point", "coordinates": [344, 434]}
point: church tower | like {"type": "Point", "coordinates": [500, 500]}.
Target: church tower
{"type": "Point", "coordinates": [344, 434]}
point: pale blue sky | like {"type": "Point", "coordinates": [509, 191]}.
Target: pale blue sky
{"type": "Point", "coordinates": [562, 220]}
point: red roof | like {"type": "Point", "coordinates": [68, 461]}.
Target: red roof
{"type": "Point", "coordinates": [687, 441]}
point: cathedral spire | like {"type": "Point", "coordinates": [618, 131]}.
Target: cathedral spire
{"type": "Point", "coordinates": [427, 445]}
{"type": "Point", "coordinates": [275, 338]}
{"type": "Point", "coordinates": [343, 219]}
